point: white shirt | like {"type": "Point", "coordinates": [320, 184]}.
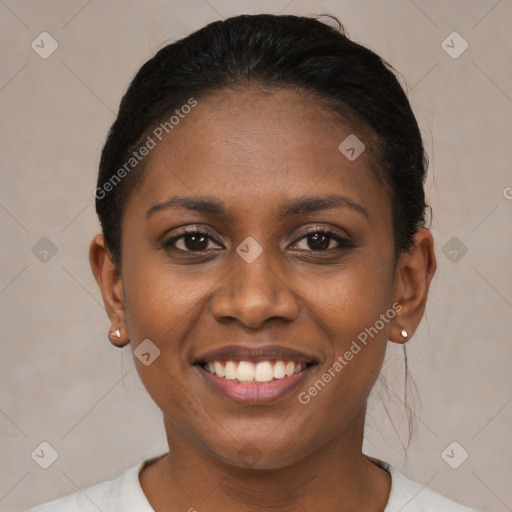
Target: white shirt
{"type": "Point", "coordinates": [125, 494]}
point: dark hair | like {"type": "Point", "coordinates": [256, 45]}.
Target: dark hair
{"type": "Point", "coordinates": [273, 52]}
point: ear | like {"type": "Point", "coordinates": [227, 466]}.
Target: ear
{"type": "Point", "coordinates": [109, 281]}
{"type": "Point", "coordinates": [413, 274]}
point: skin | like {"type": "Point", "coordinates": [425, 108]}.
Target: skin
{"type": "Point", "coordinates": [254, 151]}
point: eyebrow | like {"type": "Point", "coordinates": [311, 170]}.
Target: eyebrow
{"type": "Point", "coordinates": [295, 207]}
{"type": "Point", "coordinates": [313, 204]}
{"type": "Point", "coordinates": [198, 204]}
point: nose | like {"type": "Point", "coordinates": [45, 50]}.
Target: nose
{"type": "Point", "coordinates": [253, 293]}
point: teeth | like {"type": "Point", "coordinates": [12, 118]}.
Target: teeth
{"type": "Point", "coordinates": [279, 370]}
{"type": "Point", "coordinates": [263, 372]}
{"type": "Point", "coordinates": [230, 370]}
{"type": "Point", "coordinates": [218, 369]}
{"type": "Point", "coordinates": [246, 371]}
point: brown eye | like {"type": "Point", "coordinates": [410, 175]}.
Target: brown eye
{"type": "Point", "coordinates": [321, 241]}
{"type": "Point", "coordinates": [318, 241]}
{"type": "Point", "coordinates": [193, 241]}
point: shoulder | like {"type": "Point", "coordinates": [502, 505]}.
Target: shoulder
{"type": "Point", "coordinates": [122, 494]}
{"type": "Point", "coordinates": [409, 496]}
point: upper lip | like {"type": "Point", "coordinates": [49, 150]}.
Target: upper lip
{"type": "Point", "coordinates": [261, 353]}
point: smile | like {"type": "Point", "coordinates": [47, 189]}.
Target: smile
{"type": "Point", "coordinates": [248, 371]}
{"type": "Point", "coordinates": [254, 375]}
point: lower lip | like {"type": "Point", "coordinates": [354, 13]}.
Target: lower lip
{"type": "Point", "coordinates": [253, 393]}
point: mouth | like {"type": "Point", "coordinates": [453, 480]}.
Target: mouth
{"type": "Point", "coordinates": [249, 375]}
{"type": "Point", "coordinates": [249, 371]}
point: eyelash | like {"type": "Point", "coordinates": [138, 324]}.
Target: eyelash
{"type": "Point", "coordinates": [344, 243]}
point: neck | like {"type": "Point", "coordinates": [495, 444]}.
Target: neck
{"type": "Point", "coordinates": [336, 477]}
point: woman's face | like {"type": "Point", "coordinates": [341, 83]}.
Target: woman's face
{"type": "Point", "coordinates": [260, 177]}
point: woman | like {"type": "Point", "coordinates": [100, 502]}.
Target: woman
{"type": "Point", "coordinates": [263, 237]}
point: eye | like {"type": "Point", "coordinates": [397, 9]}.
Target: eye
{"type": "Point", "coordinates": [192, 240]}
{"type": "Point", "coordinates": [321, 240]}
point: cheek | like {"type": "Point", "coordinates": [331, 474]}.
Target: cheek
{"type": "Point", "coordinates": [351, 297]}
{"type": "Point", "coordinates": [354, 309]}
{"type": "Point", "coordinates": [161, 305]}
{"type": "Point", "coordinates": [159, 298]}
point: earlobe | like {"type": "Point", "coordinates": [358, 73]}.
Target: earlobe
{"type": "Point", "coordinates": [413, 275]}
{"type": "Point", "coordinates": [109, 281]}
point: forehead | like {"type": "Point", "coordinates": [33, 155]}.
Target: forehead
{"type": "Point", "coordinates": [255, 147]}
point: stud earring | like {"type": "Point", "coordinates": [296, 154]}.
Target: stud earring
{"type": "Point", "coordinates": [404, 334]}
{"type": "Point", "coordinates": [118, 340]}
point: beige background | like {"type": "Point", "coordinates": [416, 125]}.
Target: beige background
{"type": "Point", "coordinates": [62, 381]}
